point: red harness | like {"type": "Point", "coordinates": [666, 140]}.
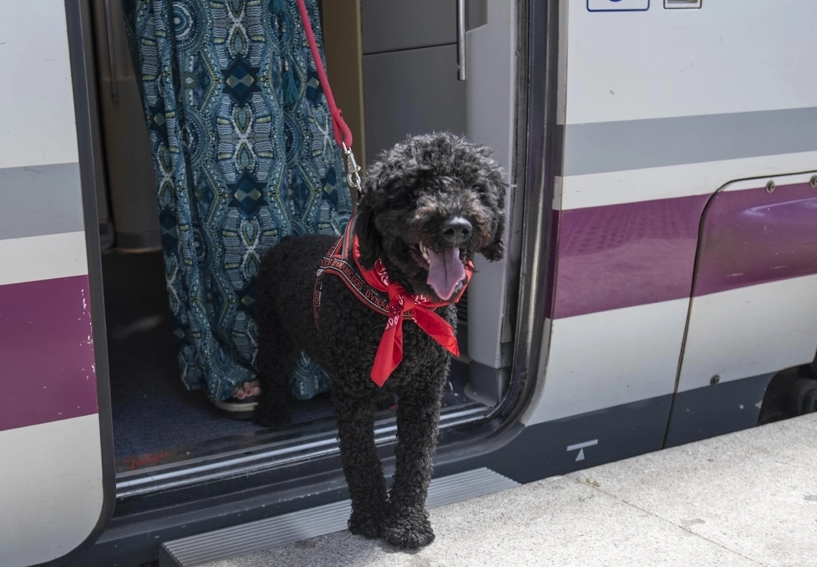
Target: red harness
{"type": "Point", "coordinates": [375, 289]}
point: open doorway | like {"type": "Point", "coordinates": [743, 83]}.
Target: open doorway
{"type": "Point", "coordinates": [395, 69]}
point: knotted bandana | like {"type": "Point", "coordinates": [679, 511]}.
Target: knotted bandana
{"type": "Point", "coordinates": [390, 352]}
{"type": "Point", "coordinates": [401, 305]}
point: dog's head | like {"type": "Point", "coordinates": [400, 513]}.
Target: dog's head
{"type": "Point", "coordinates": [429, 204]}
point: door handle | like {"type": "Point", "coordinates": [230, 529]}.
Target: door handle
{"type": "Point", "coordinates": [461, 40]}
{"type": "Point", "coordinates": [111, 52]}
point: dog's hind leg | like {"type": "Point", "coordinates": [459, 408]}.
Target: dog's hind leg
{"type": "Point", "coordinates": [418, 413]}
{"type": "Point", "coordinates": [361, 465]}
{"type": "Point", "coordinates": [275, 361]}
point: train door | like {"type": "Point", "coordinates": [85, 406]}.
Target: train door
{"type": "Point", "coordinates": [393, 73]}
{"type": "Point", "coordinates": [57, 488]}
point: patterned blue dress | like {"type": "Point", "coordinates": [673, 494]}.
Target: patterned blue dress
{"type": "Point", "coordinates": [243, 156]}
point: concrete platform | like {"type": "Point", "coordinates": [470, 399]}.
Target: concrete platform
{"type": "Point", "coordinates": [745, 499]}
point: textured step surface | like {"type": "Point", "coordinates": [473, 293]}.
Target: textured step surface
{"type": "Point", "coordinates": [305, 524]}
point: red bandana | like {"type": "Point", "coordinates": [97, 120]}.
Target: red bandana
{"type": "Point", "coordinates": [401, 305]}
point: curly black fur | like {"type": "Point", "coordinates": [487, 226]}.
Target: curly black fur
{"type": "Point", "coordinates": [408, 195]}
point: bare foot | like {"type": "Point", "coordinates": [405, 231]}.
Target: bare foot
{"type": "Point", "coordinates": [248, 390]}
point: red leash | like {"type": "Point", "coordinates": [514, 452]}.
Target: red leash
{"type": "Point", "coordinates": [343, 135]}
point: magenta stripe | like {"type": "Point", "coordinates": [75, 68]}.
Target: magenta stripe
{"type": "Point", "coordinates": [751, 237]}
{"type": "Point", "coordinates": [626, 255]}
{"type": "Point", "coordinates": [46, 352]}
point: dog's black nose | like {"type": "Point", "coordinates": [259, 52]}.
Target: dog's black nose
{"type": "Point", "coordinates": [456, 231]}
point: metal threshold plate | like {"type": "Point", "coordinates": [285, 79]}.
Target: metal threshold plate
{"type": "Point", "coordinates": [304, 524]}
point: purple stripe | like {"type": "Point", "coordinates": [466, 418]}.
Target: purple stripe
{"type": "Point", "coordinates": [751, 237]}
{"type": "Point", "coordinates": [626, 255]}
{"type": "Point", "coordinates": [46, 352]}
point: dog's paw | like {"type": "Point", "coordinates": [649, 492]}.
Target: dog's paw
{"type": "Point", "coordinates": [366, 524]}
{"type": "Point", "coordinates": [409, 531]}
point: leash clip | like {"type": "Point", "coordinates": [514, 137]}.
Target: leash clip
{"type": "Point", "coordinates": [352, 169]}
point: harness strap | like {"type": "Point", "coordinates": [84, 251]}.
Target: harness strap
{"type": "Point", "coordinates": [338, 261]}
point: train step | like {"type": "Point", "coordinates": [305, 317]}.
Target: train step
{"type": "Point", "coordinates": [263, 534]}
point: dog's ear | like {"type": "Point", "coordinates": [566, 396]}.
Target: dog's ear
{"type": "Point", "coordinates": [368, 239]}
{"type": "Point", "coordinates": [496, 190]}
{"type": "Point", "coordinates": [496, 249]}
{"type": "Point", "coordinates": [369, 242]}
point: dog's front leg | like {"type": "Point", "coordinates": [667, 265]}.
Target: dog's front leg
{"type": "Point", "coordinates": [361, 465]}
{"type": "Point", "coordinates": [418, 412]}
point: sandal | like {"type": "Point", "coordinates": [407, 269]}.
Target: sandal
{"type": "Point", "coordinates": [242, 404]}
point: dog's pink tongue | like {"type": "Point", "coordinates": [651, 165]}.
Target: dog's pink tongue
{"type": "Point", "coordinates": [445, 271]}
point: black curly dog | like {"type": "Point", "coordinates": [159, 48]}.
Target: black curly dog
{"type": "Point", "coordinates": [427, 195]}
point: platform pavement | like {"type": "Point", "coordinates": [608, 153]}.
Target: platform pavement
{"type": "Point", "coordinates": [744, 499]}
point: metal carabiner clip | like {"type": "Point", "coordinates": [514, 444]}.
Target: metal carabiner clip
{"type": "Point", "coordinates": [352, 169]}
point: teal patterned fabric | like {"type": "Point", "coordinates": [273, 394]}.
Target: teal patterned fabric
{"type": "Point", "coordinates": [243, 156]}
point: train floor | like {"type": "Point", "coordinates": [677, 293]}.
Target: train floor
{"type": "Point", "coordinates": [744, 499]}
{"type": "Point", "coordinates": [152, 411]}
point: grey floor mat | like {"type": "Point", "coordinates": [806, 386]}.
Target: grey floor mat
{"type": "Point", "coordinates": [152, 411]}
